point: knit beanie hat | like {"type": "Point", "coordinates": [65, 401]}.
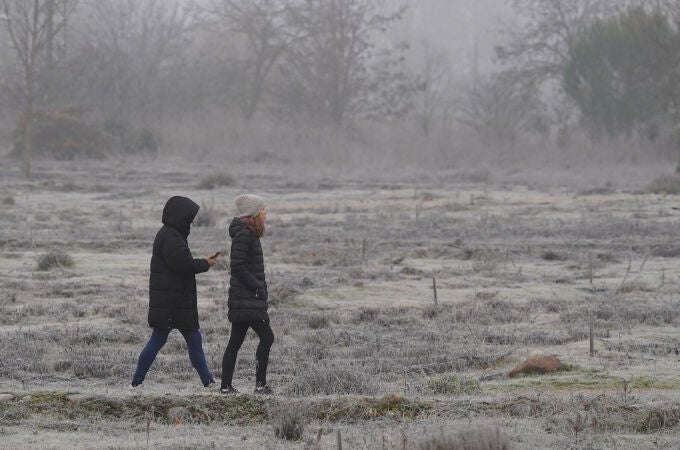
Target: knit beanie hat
{"type": "Point", "coordinates": [249, 205]}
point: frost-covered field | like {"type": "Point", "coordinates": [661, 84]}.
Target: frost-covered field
{"type": "Point", "coordinates": [521, 259]}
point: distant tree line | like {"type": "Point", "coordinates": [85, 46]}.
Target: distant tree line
{"type": "Point", "coordinates": [617, 62]}
{"type": "Point", "coordinates": [128, 64]}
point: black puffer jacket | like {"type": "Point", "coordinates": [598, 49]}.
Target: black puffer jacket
{"type": "Point", "coordinates": [247, 286]}
{"type": "Point", "coordinates": [172, 284]}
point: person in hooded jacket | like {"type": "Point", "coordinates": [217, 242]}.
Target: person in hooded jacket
{"type": "Point", "coordinates": [172, 289]}
{"type": "Point", "coordinates": [247, 301]}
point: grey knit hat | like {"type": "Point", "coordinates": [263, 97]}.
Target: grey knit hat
{"type": "Point", "coordinates": [249, 205]}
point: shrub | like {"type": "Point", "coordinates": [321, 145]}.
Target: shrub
{"type": "Point", "coordinates": [61, 133]}
{"type": "Point", "coordinates": [452, 384]}
{"type": "Point", "coordinates": [51, 260]}
{"type": "Point", "coordinates": [216, 180]}
{"type": "Point", "coordinates": [478, 438]}
{"type": "Point", "coordinates": [669, 184]}
{"type": "Point", "coordinates": [124, 137]}
{"type": "Point", "coordinates": [8, 200]}
{"type": "Point", "coordinates": [288, 423]}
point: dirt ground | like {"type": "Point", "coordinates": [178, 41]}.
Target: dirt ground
{"type": "Point", "coordinates": [523, 261]}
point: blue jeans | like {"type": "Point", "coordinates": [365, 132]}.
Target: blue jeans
{"type": "Point", "coordinates": [158, 339]}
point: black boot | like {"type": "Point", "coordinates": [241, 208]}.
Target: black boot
{"type": "Point", "coordinates": [228, 390]}
{"type": "Point", "coordinates": [263, 389]}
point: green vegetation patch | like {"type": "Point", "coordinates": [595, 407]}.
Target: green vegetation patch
{"type": "Point", "coordinates": [238, 410]}
{"type": "Point", "coordinates": [361, 409]}
{"type": "Point", "coordinates": [452, 384]}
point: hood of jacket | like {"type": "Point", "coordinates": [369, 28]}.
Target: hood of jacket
{"type": "Point", "coordinates": [178, 213]}
{"type": "Point", "coordinates": [236, 225]}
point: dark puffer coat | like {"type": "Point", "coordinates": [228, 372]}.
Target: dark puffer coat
{"type": "Point", "coordinates": [172, 284]}
{"type": "Point", "coordinates": [247, 286]}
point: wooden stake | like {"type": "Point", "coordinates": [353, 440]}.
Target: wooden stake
{"type": "Point", "coordinates": [339, 440]}
{"type": "Point", "coordinates": [434, 288]}
{"type": "Point", "coordinates": [591, 335]}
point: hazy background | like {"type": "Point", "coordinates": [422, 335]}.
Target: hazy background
{"type": "Point", "coordinates": [342, 83]}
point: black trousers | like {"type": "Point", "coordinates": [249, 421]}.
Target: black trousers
{"type": "Point", "coordinates": [238, 334]}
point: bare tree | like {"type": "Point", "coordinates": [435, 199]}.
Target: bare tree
{"type": "Point", "coordinates": [267, 35]}
{"type": "Point", "coordinates": [329, 68]}
{"type": "Point", "coordinates": [32, 26]}
{"type": "Point", "coordinates": [432, 85]}
{"type": "Point", "coordinates": [128, 46]}
{"type": "Point", "coordinates": [498, 108]}
{"type": "Point", "coordinates": [538, 47]}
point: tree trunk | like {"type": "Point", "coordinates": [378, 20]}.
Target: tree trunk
{"type": "Point", "coordinates": [28, 127]}
{"type": "Point", "coordinates": [675, 142]}
{"type": "Point", "coordinates": [49, 53]}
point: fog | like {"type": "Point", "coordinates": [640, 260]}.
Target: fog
{"type": "Point", "coordinates": [351, 82]}
{"type": "Point", "coordinates": [471, 223]}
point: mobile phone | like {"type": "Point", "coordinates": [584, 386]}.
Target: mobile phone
{"type": "Point", "coordinates": [216, 255]}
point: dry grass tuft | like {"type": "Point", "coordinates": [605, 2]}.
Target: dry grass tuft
{"type": "Point", "coordinates": [318, 321]}
{"type": "Point", "coordinates": [55, 259]}
{"type": "Point", "coordinates": [476, 438]}
{"type": "Point", "coordinates": [333, 379]}
{"type": "Point", "coordinates": [288, 423]}
{"type": "Point", "coordinates": [452, 384]}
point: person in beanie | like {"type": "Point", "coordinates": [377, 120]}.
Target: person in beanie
{"type": "Point", "coordinates": [247, 292]}
{"type": "Point", "coordinates": [172, 289]}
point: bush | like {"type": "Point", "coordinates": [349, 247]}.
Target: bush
{"type": "Point", "coordinates": [479, 438]}
{"type": "Point", "coordinates": [216, 180]}
{"type": "Point", "coordinates": [125, 138]}
{"type": "Point", "coordinates": [665, 185]}
{"type": "Point", "coordinates": [61, 133]}
{"type": "Point", "coordinates": [288, 423]}
{"type": "Point", "coordinates": [8, 200]}
{"type": "Point", "coordinates": [51, 260]}
{"type": "Point", "coordinates": [452, 384]}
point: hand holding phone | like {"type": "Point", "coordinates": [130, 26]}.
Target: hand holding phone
{"type": "Point", "coordinates": [212, 259]}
